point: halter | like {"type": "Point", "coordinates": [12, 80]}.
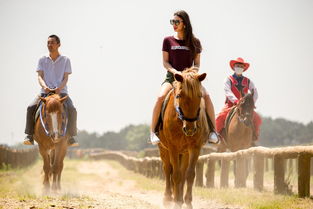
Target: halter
{"type": "Point", "coordinates": [241, 117]}
{"type": "Point", "coordinates": [182, 117]}
{"type": "Point", "coordinates": [180, 112]}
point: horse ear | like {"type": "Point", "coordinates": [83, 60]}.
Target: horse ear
{"type": "Point", "coordinates": [202, 77]}
{"type": "Point", "coordinates": [43, 99]}
{"type": "Point", "coordinates": [63, 99]}
{"type": "Point", "coordinates": [179, 77]}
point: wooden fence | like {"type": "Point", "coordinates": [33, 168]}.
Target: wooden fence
{"type": "Point", "coordinates": [152, 167]}
{"type": "Point", "coordinates": [17, 158]}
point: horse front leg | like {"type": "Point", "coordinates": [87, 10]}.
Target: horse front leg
{"type": "Point", "coordinates": [59, 155]}
{"type": "Point", "coordinates": [54, 169]}
{"type": "Point", "coordinates": [167, 199]}
{"type": "Point", "coordinates": [190, 175]}
{"type": "Point", "coordinates": [167, 170]}
{"type": "Point", "coordinates": [59, 174]}
{"type": "Point", "coordinates": [176, 178]}
{"type": "Point", "coordinates": [184, 161]}
{"type": "Point", "coordinates": [46, 169]}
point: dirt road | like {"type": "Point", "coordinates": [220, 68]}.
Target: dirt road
{"type": "Point", "coordinates": [89, 184]}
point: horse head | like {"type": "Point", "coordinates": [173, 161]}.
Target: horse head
{"type": "Point", "coordinates": [187, 99]}
{"type": "Point", "coordinates": [245, 108]}
{"type": "Point", "coordinates": [54, 120]}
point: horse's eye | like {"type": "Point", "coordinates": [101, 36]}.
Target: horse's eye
{"type": "Point", "coordinates": [178, 96]}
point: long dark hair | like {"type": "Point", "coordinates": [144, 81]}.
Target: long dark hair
{"type": "Point", "coordinates": [191, 41]}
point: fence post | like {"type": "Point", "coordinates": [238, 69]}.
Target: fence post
{"type": "Point", "coordinates": [199, 173]}
{"type": "Point", "coordinates": [310, 169]}
{"type": "Point", "coordinates": [266, 165]}
{"type": "Point", "coordinates": [290, 165]}
{"type": "Point", "coordinates": [258, 177]}
{"type": "Point", "coordinates": [304, 175]}
{"type": "Point", "coordinates": [2, 156]}
{"type": "Point", "coordinates": [240, 172]}
{"type": "Point", "coordinates": [210, 174]}
{"type": "Point", "coordinates": [280, 187]}
{"type": "Point", "coordinates": [224, 173]}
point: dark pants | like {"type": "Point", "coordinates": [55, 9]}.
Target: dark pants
{"type": "Point", "coordinates": [72, 116]}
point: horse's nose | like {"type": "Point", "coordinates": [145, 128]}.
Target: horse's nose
{"type": "Point", "coordinates": [52, 135]}
{"type": "Point", "coordinates": [55, 135]}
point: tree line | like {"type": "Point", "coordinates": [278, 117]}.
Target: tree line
{"type": "Point", "coordinates": [274, 132]}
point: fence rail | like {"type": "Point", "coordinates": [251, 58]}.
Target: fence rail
{"type": "Point", "coordinates": [17, 158]}
{"type": "Point", "coordinates": [152, 166]}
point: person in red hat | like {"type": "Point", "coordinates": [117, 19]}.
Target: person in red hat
{"type": "Point", "coordinates": [235, 86]}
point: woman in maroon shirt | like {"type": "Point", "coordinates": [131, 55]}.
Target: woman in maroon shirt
{"type": "Point", "coordinates": [179, 52]}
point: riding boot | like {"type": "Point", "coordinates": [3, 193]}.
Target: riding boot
{"type": "Point", "coordinates": [72, 128]}
{"type": "Point", "coordinates": [30, 124]}
{"type": "Point", "coordinates": [29, 140]}
{"type": "Point", "coordinates": [213, 137]}
{"type": "Point", "coordinates": [72, 121]}
{"type": "Point", "coordinates": [30, 120]}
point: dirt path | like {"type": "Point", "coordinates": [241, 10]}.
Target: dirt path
{"type": "Point", "coordinates": [94, 184]}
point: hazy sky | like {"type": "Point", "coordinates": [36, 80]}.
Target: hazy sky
{"type": "Point", "coordinates": [115, 49]}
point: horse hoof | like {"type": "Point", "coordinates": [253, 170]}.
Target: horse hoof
{"type": "Point", "coordinates": [167, 201]}
{"type": "Point", "coordinates": [177, 206]}
{"type": "Point", "coordinates": [188, 206]}
{"type": "Point", "coordinates": [46, 191]}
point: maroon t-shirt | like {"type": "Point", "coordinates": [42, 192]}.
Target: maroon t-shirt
{"type": "Point", "coordinates": [180, 56]}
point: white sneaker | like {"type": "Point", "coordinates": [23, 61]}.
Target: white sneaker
{"type": "Point", "coordinates": [154, 139]}
{"type": "Point", "coordinates": [213, 138]}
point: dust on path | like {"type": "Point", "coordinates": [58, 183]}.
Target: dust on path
{"type": "Point", "coordinates": [97, 184]}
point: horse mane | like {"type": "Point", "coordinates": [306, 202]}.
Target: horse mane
{"type": "Point", "coordinates": [191, 85]}
{"type": "Point", "coordinates": [53, 103]}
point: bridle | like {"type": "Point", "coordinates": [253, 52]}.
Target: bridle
{"type": "Point", "coordinates": [244, 117]}
{"type": "Point", "coordinates": [182, 117]}
{"type": "Point", "coordinates": [43, 115]}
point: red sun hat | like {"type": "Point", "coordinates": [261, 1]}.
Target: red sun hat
{"type": "Point", "coordinates": [239, 60]}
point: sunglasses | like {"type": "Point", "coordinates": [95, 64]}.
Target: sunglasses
{"type": "Point", "coordinates": [175, 22]}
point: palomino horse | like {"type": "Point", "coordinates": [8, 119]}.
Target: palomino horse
{"type": "Point", "coordinates": [238, 134]}
{"type": "Point", "coordinates": [50, 134]}
{"type": "Point", "coordinates": [185, 130]}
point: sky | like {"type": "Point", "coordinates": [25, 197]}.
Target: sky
{"type": "Point", "coordinates": [115, 48]}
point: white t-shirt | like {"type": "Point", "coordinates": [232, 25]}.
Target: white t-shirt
{"type": "Point", "coordinates": [53, 71]}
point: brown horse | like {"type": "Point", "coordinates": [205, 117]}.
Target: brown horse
{"type": "Point", "coordinates": [185, 130]}
{"type": "Point", "coordinates": [239, 130]}
{"type": "Point", "coordinates": [238, 135]}
{"type": "Point", "coordinates": [50, 134]}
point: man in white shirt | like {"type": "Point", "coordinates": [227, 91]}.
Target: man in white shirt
{"type": "Point", "coordinates": [235, 86]}
{"type": "Point", "coordinates": [53, 71]}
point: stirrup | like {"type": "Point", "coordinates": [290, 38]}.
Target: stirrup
{"type": "Point", "coordinates": [213, 138]}
{"type": "Point", "coordinates": [154, 139]}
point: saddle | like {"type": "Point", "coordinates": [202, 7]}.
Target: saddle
{"type": "Point", "coordinates": [229, 117]}
{"type": "Point", "coordinates": [159, 125]}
